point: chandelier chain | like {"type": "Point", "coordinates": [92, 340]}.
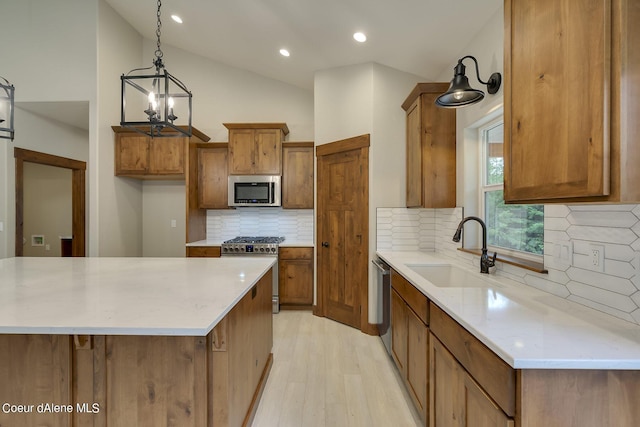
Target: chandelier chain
{"type": "Point", "coordinates": [158, 52]}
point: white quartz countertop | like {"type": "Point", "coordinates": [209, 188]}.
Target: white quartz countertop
{"type": "Point", "coordinates": [123, 296]}
{"type": "Point", "coordinates": [527, 328]}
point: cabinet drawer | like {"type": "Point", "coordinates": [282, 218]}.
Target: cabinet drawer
{"type": "Point", "coordinates": [203, 251]}
{"type": "Point", "coordinates": [413, 297]}
{"type": "Point", "coordinates": [496, 377]}
{"type": "Point", "coordinates": [296, 253]}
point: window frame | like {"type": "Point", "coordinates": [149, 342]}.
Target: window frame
{"type": "Point", "coordinates": [484, 188]}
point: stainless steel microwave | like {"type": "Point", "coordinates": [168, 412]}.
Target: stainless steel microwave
{"type": "Point", "coordinates": [254, 190]}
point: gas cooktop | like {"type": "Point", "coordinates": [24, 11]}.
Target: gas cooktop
{"type": "Point", "coordinates": [252, 245]}
{"type": "Point", "coordinates": [255, 239]}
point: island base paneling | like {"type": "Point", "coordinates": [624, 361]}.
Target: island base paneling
{"type": "Point", "coordinates": [142, 380]}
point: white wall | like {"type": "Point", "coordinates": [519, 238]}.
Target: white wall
{"type": "Point", "coordinates": [38, 134]}
{"type": "Point", "coordinates": [367, 99]}
{"type": "Point", "coordinates": [115, 203]}
{"type": "Point", "coordinates": [221, 94]}
{"type": "Point", "coordinates": [49, 54]}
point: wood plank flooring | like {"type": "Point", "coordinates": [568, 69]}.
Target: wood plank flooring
{"type": "Point", "coordinates": [328, 374]}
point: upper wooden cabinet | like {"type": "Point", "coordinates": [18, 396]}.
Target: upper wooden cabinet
{"type": "Point", "coordinates": [212, 176]}
{"type": "Point", "coordinates": [140, 156]}
{"type": "Point", "coordinates": [256, 148]}
{"type": "Point", "coordinates": [572, 101]}
{"type": "Point", "coordinates": [297, 175]}
{"type": "Point", "coordinates": [431, 148]}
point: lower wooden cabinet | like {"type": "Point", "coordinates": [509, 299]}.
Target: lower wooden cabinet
{"type": "Point", "coordinates": [295, 277]}
{"type": "Point", "coordinates": [203, 251]}
{"type": "Point", "coordinates": [456, 400]}
{"type": "Point", "coordinates": [409, 336]}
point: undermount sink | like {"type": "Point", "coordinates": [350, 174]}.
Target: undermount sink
{"type": "Point", "coordinates": [449, 276]}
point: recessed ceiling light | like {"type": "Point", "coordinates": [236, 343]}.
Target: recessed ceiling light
{"type": "Point", "coordinates": [176, 18]}
{"type": "Point", "coordinates": [360, 37]}
{"type": "Point", "coordinates": [284, 52]}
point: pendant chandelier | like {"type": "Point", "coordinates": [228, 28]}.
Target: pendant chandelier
{"type": "Point", "coordinates": [151, 103]}
{"type": "Point", "coordinates": [7, 99]}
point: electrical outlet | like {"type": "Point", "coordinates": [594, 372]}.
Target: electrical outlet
{"type": "Point", "coordinates": [596, 252]}
{"type": "Point", "coordinates": [47, 247]}
{"type": "Point", "coordinates": [174, 223]}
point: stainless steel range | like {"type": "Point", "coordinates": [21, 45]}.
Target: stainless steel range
{"type": "Point", "coordinates": [256, 245]}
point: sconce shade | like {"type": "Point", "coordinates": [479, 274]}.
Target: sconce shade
{"type": "Point", "coordinates": [7, 99]}
{"type": "Point", "coordinates": [460, 93]}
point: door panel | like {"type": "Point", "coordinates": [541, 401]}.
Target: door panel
{"type": "Point", "coordinates": [342, 230]}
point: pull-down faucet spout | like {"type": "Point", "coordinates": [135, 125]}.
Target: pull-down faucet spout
{"type": "Point", "coordinates": [485, 262]}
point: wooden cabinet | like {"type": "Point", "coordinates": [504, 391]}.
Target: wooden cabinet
{"type": "Point", "coordinates": [295, 277]}
{"type": "Point", "coordinates": [140, 156]}
{"type": "Point", "coordinates": [456, 399]}
{"type": "Point", "coordinates": [256, 148]}
{"type": "Point", "coordinates": [203, 251]}
{"type": "Point", "coordinates": [571, 128]}
{"type": "Point", "coordinates": [213, 185]}
{"type": "Point", "coordinates": [409, 336]}
{"type": "Point", "coordinates": [431, 149]}
{"type": "Point", "coordinates": [297, 175]}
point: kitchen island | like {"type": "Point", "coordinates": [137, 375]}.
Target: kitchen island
{"type": "Point", "coordinates": [506, 353]}
{"type": "Point", "coordinates": [133, 341]}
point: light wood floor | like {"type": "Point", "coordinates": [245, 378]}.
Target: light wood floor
{"type": "Point", "coordinates": [328, 374]}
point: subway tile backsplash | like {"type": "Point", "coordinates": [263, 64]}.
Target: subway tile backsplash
{"type": "Point", "coordinates": [572, 233]}
{"type": "Point", "coordinates": [295, 224]}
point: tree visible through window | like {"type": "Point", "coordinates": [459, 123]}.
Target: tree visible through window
{"type": "Point", "coordinates": [513, 227]}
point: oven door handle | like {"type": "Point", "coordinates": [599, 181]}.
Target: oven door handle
{"type": "Point", "coordinates": [382, 268]}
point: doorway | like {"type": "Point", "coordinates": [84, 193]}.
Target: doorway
{"type": "Point", "coordinates": [343, 231]}
{"type": "Point", "coordinates": [78, 169]}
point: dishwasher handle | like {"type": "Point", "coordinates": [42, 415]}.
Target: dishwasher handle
{"type": "Point", "coordinates": [381, 266]}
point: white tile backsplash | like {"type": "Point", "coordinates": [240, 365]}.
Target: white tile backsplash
{"type": "Point", "coordinates": [294, 224]}
{"type": "Point", "coordinates": [570, 233]}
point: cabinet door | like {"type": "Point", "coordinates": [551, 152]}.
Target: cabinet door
{"type": "Point", "coordinates": [203, 251]}
{"type": "Point", "coordinates": [446, 392]}
{"type": "Point", "coordinates": [132, 154]}
{"type": "Point", "coordinates": [297, 177]}
{"type": "Point", "coordinates": [241, 147]}
{"type": "Point", "coordinates": [417, 350]}
{"type": "Point", "coordinates": [166, 156]}
{"type": "Point", "coordinates": [414, 155]}
{"type": "Point", "coordinates": [296, 282]}
{"type": "Point", "coordinates": [295, 279]}
{"type": "Point", "coordinates": [480, 410]}
{"type": "Point", "coordinates": [268, 152]}
{"type": "Point", "coordinates": [557, 105]}
{"type": "Point", "coordinates": [213, 185]}
{"type": "Point", "coordinates": [399, 332]}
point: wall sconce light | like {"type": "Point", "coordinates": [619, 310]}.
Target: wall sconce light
{"type": "Point", "coordinates": [155, 101]}
{"type": "Point", "coordinates": [460, 94]}
{"type": "Point", "coordinates": [7, 99]}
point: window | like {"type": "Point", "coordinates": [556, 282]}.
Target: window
{"type": "Point", "coordinates": [518, 229]}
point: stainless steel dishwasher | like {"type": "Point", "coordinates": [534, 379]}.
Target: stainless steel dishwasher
{"type": "Point", "coordinates": [384, 295]}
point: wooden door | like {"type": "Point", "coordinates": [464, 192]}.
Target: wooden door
{"type": "Point", "coordinates": [343, 228]}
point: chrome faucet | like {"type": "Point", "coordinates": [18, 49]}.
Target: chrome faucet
{"type": "Point", "coordinates": [485, 262]}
